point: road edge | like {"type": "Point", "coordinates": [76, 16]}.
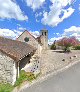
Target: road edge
{"type": "Point", "coordinates": [39, 80]}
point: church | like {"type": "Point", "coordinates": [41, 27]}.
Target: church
{"type": "Point", "coordinates": [21, 54]}
{"type": "Point", "coordinates": [40, 43]}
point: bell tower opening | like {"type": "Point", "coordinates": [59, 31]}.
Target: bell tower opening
{"type": "Point", "coordinates": [45, 33]}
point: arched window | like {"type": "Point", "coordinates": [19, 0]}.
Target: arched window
{"type": "Point", "coordinates": [45, 33]}
{"type": "Point", "coordinates": [26, 39]}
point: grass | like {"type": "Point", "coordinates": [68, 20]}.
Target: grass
{"type": "Point", "coordinates": [6, 87]}
{"type": "Point", "coordinates": [24, 76]}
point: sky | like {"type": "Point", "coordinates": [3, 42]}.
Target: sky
{"type": "Point", "coordinates": [60, 17]}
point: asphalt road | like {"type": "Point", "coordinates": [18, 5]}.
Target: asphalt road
{"type": "Point", "coordinates": [66, 81]}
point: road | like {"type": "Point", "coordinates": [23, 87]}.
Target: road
{"type": "Point", "coordinates": [66, 81]}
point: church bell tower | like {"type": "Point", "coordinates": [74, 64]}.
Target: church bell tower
{"type": "Point", "coordinates": [44, 38]}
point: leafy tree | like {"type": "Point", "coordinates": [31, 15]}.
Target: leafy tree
{"type": "Point", "coordinates": [53, 47]}
{"type": "Point", "coordinates": [68, 42]}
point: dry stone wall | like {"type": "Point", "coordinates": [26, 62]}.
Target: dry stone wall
{"type": "Point", "coordinates": [6, 68]}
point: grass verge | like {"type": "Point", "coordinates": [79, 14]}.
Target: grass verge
{"type": "Point", "coordinates": [6, 87]}
{"type": "Point", "coordinates": [24, 76]}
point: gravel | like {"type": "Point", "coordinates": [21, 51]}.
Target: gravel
{"type": "Point", "coordinates": [52, 60]}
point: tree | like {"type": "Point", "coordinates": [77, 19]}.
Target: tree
{"type": "Point", "coordinates": [53, 46]}
{"type": "Point", "coordinates": [68, 42]}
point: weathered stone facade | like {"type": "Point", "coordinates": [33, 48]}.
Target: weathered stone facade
{"type": "Point", "coordinates": [40, 43]}
{"type": "Point", "coordinates": [7, 69]}
{"type": "Point", "coordinates": [44, 39]}
{"type": "Point", "coordinates": [32, 41]}
{"type": "Point", "coordinates": [11, 53]}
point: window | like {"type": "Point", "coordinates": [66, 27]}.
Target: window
{"type": "Point", "coordinates": [45, 33]}
{"type": "Point", "coordinates": [42, 33]}
{"type": "Point", "coordinates": [26, 39]}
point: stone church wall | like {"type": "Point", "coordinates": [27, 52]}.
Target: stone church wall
{"type": "Point", "coordinates": [7, 69]}
{"type": "Point", "coordinates": [32, 41]}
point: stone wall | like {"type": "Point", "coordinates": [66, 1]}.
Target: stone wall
{"type": "Point", "coordinates": [44, 39]}
{"type": "Point", "coordinates": [32, 41]}
{"type": "Point", "coordinates": [33, 66]}
{"type": "Point", "coordinates": [7, 69]}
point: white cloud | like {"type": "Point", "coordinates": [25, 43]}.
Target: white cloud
{"type": "Point", "coordinates": [37, 20]}
{"type": "Point", "coordinates": [38, 14]}
{"type": "Point", "coordinates": [21, 28]}
{"type": "Point", "coordinates": [67, 13]}
{"type": "Point", "coordinates": [13, 34]}
{"type": "Point", "coordinates": [52, 18]}
{"type": "Point", "coordinates": [10, 9]}
{"type": "Point", "coordinates": [51, 41]}
{"type": "Point", "coordinates": [58, 34]}
{"type": "Point", "coordinates": [35, 33]}
{"type": "Point", "coordinates": [35, 4]}
{"type": "Point", "coordinates": [72, 31]}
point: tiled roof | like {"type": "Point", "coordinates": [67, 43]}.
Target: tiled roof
{"type": "Point", "coordinates": [15, 49]}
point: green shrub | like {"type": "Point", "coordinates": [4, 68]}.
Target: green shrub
{"type": "Point", "coordinates": [66, 49]}
{"type": "Point", "coordinates": [53, 47]}
{"type": "Point", "coordinates": [24, 76]}
{"type": "Point", "coordinates": [77, 48]}
{"type": "Point", "coordinates": [6, 87]}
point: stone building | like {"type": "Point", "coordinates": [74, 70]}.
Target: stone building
{"type": "Point", "coordinates": [44, 39]}
{"type": "Point", "coordinates": [14, 55]}
{"type": "Point", "coordinates": [40, 43]}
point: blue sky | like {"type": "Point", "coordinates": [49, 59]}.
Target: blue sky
{"type": "Point", "coordinates": [60, 17]}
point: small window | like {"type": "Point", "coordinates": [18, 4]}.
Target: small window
{"type": "Point", "coordinates": [45, 33]}
{"type": "Point", "coordinates": [26, 39]}
{"type": "Point", "coordinates": [42, 33]}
